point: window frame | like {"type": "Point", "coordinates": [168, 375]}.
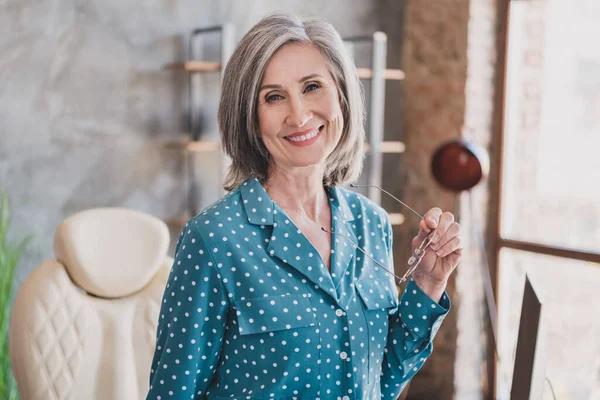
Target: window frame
{"type": "Point", "coordinates": [496, 185]}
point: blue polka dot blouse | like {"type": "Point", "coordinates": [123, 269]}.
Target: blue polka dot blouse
{"type": "Point", "coordinates": [250, 311]}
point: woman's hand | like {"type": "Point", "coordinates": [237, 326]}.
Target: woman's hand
{"type": "Point", "coordinates": [442, 256]}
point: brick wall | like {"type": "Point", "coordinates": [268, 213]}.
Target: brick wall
{"type": "Point", "coordinates": [448, 57]}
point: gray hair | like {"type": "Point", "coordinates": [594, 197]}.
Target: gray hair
{"type": "Point", "coordinates": [238, 116]}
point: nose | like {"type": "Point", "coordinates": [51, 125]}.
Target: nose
{"type": "Point", "coordinates": [299, 113]}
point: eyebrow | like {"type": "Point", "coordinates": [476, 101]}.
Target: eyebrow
{"type": "Point", "coordinates": [304, 78]}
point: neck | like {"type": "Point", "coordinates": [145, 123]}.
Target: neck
{"type": "Point", "coordinates": [301, 196]}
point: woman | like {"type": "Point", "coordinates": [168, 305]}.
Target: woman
{"type": "Point", "coordinates": [261, 303]}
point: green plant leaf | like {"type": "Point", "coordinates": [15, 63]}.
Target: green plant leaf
{"type": "Point", "coordinates": [9, 258]}
{"type": "Point", "coordinates": [4, 216]}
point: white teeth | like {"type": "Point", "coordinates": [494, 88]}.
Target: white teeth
{"type": "Point", "coordinates": [303, 138]}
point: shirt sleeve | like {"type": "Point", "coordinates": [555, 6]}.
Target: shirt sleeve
{"type": "Point", "coordinates": [191, 323]}
{"type": "Point", "coordinates": [411, 329]}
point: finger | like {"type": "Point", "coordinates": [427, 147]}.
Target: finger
{"type": "Point", "coordinates": [431, 219]}
{"type": "Point", "coordinates": [421, 236]}
{"type": "Point", "coordinates": [424, 227]}
{"type": "Point", "coordinates": [446, 219]}
{"type": "Point", "coordinates": [417, 240]}
{"type": "Point", "coordinates": [427, 225]}
{"type": "Point", "coordinates": [453, 230]}
{"type": "Point", "coordinates": [449, 247]}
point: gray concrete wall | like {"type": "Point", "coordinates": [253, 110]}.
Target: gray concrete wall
{"type": "Point", "coordinates": [85, 106]}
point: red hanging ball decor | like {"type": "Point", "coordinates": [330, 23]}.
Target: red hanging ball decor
{"type": "Point", "coordinates": [459, 165]}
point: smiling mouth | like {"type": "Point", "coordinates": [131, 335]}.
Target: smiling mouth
{"type": "Point", "coordinates": [303, 138]}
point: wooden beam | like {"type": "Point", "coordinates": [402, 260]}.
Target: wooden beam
{"type": "Point", "coordinates": [581, 255]}
{"type": "Point", "coordinates": [389, 74]}
{"type": "Point", "coordinates": [495, 212]}
{"type": "Point", "coordinates": [396, 218]}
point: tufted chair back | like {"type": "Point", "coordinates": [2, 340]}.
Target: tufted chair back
{"type": "Point", "coordinates": [83, 325]}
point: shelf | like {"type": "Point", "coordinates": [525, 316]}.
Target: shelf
{"type": "Point", "coordinates": [389, 147]}
{"type": "Point", "coordinates": [389, 74]}
{"type": "Point", "coordinates": [206, 66]}
{"type": "Point", "coordinates": [203, 146]}
{"type": "Point", "coordinates": [194, 66]}
{"type": "Point", "coordinates": [396, 218]}
{"type": "Point", "coordinates": [195, 146]}
{"type": "Point", "coordinates": [200, 146]}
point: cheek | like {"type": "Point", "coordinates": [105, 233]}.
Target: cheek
{"type": "Point", "coordinates": [268, 121]}
{"type": "Point", "coordinates": [330, 105]}
{"type": "Point", "coordinates": [331, 110]}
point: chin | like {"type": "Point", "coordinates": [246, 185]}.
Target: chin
{"type": "Point", "coordinates": [308, 163]}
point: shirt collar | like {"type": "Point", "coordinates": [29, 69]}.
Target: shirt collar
{"type": "Point", "coordinates": [339, 203]}
{"type": "Point", "coordinates": [260, 207]}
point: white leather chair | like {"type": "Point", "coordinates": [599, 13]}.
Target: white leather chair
{"type": "Point", "coordinates": [83, 326]}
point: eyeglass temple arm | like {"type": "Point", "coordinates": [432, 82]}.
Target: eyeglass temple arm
{"type": "Point", "coordinates": [391, 195]}
{"type": "Point", "coordinates": [400, 280]}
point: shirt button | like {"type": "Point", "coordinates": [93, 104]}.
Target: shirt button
{"type": "Point", "coordinates": [343, 355]}
{"type": "Point", "coordinates": [339, 312]}
{"type": "Point", "coordinates": [346, 398]}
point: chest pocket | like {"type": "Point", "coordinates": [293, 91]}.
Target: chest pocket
{"type": "Point", "coordinates": [281, 342]}
{"type": "Point", "coordinates": [378, 300]}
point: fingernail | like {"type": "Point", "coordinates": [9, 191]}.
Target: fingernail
{"type": "Point", "coordinates": [434, 237]}
{"type": "Point", "coordinates": [433, 221]}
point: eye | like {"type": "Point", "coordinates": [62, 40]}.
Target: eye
{"type": "Point", "coordinates": [312, 87]}
{"type": "Point", "coordinates": [273, 97]}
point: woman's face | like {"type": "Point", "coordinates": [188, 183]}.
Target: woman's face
{"type": "Point", "coordinates": [299, 111]}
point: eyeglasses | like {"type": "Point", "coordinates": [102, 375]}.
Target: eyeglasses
{"type": "Point", "coordinates": [417, 253]}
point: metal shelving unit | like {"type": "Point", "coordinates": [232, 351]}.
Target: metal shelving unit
{"type": "Point", "coordinates": [378, 74]}
{"type": "Point", "coordinates": [192, 142]}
